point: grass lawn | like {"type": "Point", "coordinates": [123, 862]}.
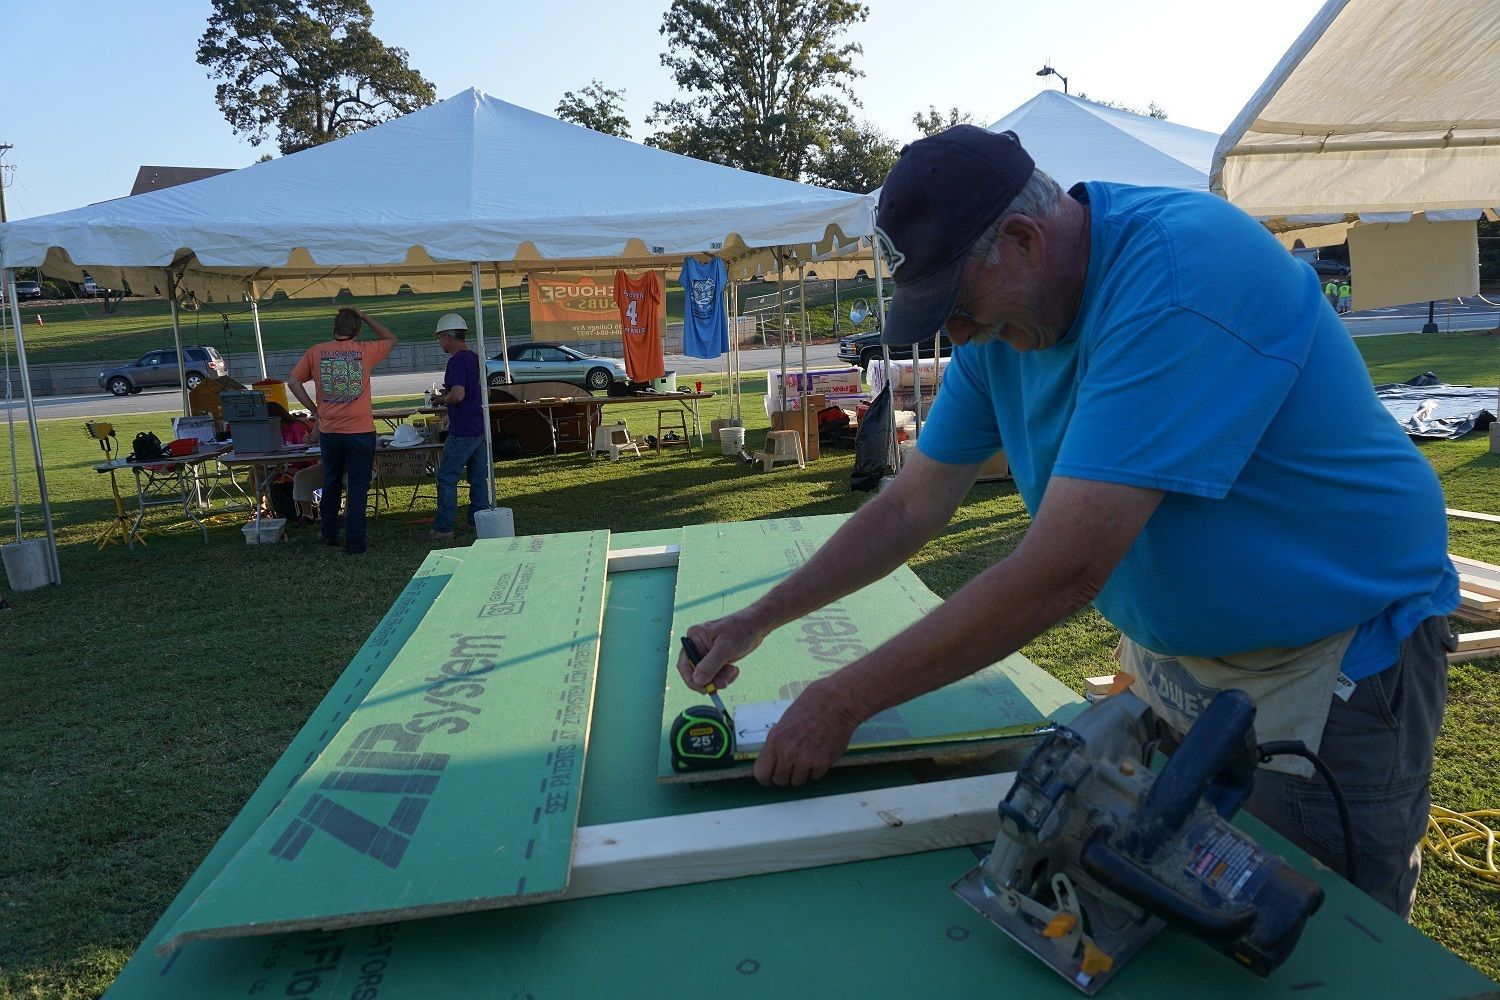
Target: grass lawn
{"type": "Point", "coordinates": [143, 701]}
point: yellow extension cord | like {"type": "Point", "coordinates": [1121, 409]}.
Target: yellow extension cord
{"type": "Point", "coordinates": [1465, 840]}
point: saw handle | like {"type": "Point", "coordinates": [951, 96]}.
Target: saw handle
{"type": "Point", "coordinates": [1215, 761]}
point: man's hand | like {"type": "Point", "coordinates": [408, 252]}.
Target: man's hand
{"type": "Point", "coordinates": [720, 642]}
{"type": "Point", "coordinates": [809, 738]}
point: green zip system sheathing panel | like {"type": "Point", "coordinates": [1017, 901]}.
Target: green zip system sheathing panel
{"type": "Point", "coordinates": [724, 567]}
{"type": "Point", "coordinates": [455, 784]}
{"type": "Point", "coordinates": [873, 929]}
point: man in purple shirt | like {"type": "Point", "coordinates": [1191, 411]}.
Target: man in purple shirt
{"type": "Point", "coordinates": [463, 394]}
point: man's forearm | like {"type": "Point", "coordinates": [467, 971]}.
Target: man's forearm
{"type": "Point", "coordinates": [1079, 537]}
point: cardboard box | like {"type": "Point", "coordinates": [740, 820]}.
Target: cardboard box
{"type": "Point", "coordinates": [791, 420]}
{"type": "Point", "coordinates": [996, 469]}
{"type": "Point", "coordinates": [840, 381]}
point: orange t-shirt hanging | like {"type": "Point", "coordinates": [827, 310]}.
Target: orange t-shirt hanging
{"type": "Point", "coordinates": [643, 308]}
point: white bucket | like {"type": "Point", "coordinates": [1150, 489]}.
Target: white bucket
{"type": "Point", "coordinates": [264, 531]}
{"type": "Point", "coordinates": [26, 564]}
{"type": "Point", "coordinates": [497, 522]}
{"type": "Point", "coordinates": [731, 440]}
{"type": "Point", "coordinates": [667, 383]}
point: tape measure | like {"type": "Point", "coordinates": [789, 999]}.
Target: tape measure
{"type": "Point", "coordinates": [702, 736]}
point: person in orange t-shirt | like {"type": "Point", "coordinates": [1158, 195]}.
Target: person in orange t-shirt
{"type": "Point", "coordinates": [340, 371]}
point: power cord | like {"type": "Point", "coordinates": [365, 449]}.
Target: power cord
{"type": "Point", "coordinates": [1296, 748]}
{"type": "Point", "coordinates": [1465, 840]}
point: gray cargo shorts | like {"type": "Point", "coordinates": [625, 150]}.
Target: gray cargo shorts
{"type": "Point", "coordinates": [1379, 746]}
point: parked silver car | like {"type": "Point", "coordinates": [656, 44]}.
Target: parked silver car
{"type": "Point", "coordinates": [159, 368]}
{"type": "Point", "coordinates": [533, 362]}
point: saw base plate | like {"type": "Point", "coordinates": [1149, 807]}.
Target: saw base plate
{"type": "Point", "coordinates": [971, 889]}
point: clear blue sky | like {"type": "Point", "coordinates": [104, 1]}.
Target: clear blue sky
{"type": "Point", "coordinates": [92, 89]}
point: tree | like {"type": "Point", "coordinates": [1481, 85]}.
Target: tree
{"type": "Point", "coordinates": [597, 107]}
{"type": "Point", "coordinates": [765, 81]}
{"type": "Point", "coordinates": [1153, 110]}
{"type": "Point", "coordinates": [857, 159]}
{"type": "Point", "coordinates": [932, 121]}
{"type": "Point", "coordinates": [311, 70]}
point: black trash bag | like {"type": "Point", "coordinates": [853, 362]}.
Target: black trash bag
{"type": "Point", "coordinates": [503, 445]}
{"type": "Point", "coordinates": [873, 446]}
{"type": "Point", "coordinates": [282, 502]}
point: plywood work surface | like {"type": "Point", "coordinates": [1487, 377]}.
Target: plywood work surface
{"type": "Point", "coordinates": [724, 567]}
{"type": "Point", "coordinates": [885, 928]}
{"type": "Point", "coordinates": [454, 785]}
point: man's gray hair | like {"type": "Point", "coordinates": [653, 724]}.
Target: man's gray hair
{"type": "Point", "coordinates": [1037, 200]}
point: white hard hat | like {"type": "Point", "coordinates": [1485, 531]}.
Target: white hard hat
{"type": "Point", "coordinates": [449, 322]}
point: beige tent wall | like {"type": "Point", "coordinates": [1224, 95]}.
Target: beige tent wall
{"type": "Point", "coordinates": [1413, 262]}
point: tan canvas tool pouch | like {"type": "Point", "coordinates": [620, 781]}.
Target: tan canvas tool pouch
{"type": "Point", "coordinates": [1292, 688]}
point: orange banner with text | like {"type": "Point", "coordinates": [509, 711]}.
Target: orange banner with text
{"type": "Point", "coordinates": [573, 307]}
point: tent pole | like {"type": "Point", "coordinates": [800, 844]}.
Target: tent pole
{"type": "Point", "coordinates": [739, 362]}
{"type": "Point", "coordinates": [10, 413]}
{"type": "Point", "coordinates": [260, 347]}
{"type": "Point", "coordinates": [484, 382]}
{"type": "Point", "coordinates": [731, 294]}
{"type": "Point", "coordinates": [916, 382]}
{"type": "Point", "coordinates": [781, 319]}
{"type": "Point", "coordinates": [36, 441]}
{"type": "Point", "coordinates": [504, 342]}
{"type": "Point", "coordinates": [806, 332]}
{"type": "Point", "coordinates": [877, 254]}
{"type": "Point", "coordinates": [187, 409]}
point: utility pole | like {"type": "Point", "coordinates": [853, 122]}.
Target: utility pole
{"type": "Point", "coordinates": [5, 147]}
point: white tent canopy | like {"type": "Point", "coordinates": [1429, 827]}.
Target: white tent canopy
{"type": "Point", "coordinates": [1077, 140]}
{"type": "Point", "coordinates": [468, 190]}
{"type": "Point", "coordinates": [1074, 140]}
{"type": "Point", "coordinates": [1381, 108]}
{"type": "Point", "coordinates": [414, 200]}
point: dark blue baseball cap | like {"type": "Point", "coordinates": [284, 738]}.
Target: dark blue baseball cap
{"type": "Point", "coordinates": [939, 198]}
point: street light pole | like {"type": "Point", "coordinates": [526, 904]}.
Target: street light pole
{"type": "Point", "coordinates": [1049, 71]}
{"type": "Point", "coordinates": [1431, 325]}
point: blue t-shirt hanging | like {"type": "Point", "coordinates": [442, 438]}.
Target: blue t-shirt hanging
{"type": "Point", "coordinates": [705, 328]}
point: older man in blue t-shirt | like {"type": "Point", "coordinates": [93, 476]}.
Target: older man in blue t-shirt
{"type": "Point", "coordinates": [1212, 472]}
{"type": "Point", "coordinates": [463, 449]}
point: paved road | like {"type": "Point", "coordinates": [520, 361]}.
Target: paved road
{"type": "Point", "coordinates": [408, 384]}
{"type": "Point", "coordinates": [1451, 317]}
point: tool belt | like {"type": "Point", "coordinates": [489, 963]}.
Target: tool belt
{"type": "Point", "coordinates": [1292, 687]}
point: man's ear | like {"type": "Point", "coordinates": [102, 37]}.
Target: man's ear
{"type": "Point", "coordinates": [1027, 235]}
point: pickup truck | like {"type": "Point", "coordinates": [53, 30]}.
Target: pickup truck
{"type": "Point", "coordinates": [863, 348]}
{"type": "Point", "coordinates": [91, 289]}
